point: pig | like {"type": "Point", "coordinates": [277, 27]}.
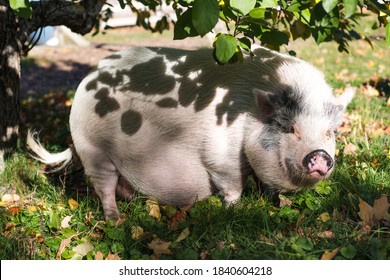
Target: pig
{"type": "Point", "coordinates": [174, 125]}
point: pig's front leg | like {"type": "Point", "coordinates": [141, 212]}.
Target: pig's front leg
{"type": "Point", "coordinates": [230, 184]}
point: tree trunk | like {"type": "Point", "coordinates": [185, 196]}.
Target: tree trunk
{"type": "Point", "coordinates": [80, 16]}
{"type": "Point", "coordinates": [9, 82]}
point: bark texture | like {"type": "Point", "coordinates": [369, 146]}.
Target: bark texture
{"type": "Point", "coordinates": [80, 16]}
{"type": "Point", "coordinates": [9, 82]}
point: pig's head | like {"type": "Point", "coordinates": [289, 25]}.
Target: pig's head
{"type": "Point", "coordinates": [296, 143]}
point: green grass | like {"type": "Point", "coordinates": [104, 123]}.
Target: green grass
{"type": "Point", "coordinates": [317, 220]}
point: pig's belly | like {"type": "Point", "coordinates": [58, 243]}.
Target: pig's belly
{"type": "Point", "coordinates": [172, 175]}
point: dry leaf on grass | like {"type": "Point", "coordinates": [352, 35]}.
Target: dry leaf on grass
{"type": "Point", "coordinates": [73, 204]}
{"type": "Point", "coordinates": [65, 222]}
{"type": "Point", "coordinates": [160, 247]}
{"type": "Point", "coordinates": [154, 209]}
{"type": "Point", "coordinates": [183, 235]}
{"type": "Point", "coordinates": [350, 149]}
{"type": "Point", "coordinates": [113, 257]}
{"type": "Point", "coordinates": [99, 256]}
{"type": "Point", "coordinates": [64, 244]}
{"type": "Point", "coordinates": [136, 232]}
{"type": "Point", "coordinates": [83, 249]}
{"type": "Point", "coordinates": [372, 216]}
{"type": "Point", "coordinates": [329, 255]}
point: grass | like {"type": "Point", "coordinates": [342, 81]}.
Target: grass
{"type": "Point", "coordinates": [309, 223]}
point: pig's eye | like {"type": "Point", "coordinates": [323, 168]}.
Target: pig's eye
{"type": "Point", "coordinates": [294, 131]}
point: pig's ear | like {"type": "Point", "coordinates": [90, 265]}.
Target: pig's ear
{"type": "Point", "coordinates": [264, 104]}
{"type": "Point", "coordinates": [346, 97]}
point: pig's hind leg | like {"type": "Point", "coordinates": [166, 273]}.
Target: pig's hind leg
{"type": "Point", "coordinates": [104, 178]}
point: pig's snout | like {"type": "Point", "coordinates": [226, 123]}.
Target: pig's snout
{"type": "Point", "coordinates": [318, 162]}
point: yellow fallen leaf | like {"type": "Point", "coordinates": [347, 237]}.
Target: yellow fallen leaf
{"type": "Point", "coordinates": [329, 255]}
{"type": "Point", "coordinates": [388, 102]}
{"type": "Point", "coordinates": [31, 209]}
{"type": "Point", "coordinates": [154, 209]}
{"type": "Point", "coordinates": [160, 247]}
{"type": "Point", "coordinates": [73, 204]}
{"type": "Point", "coordinates": [381, 208]}
{"type": "Point", "coordinates": [366, 213]}
{"type": "Point", "coordinates": [183, 235]}
{"type": "Point", "coordinates": [136, 232]}
{"type": "Point", "coordinates": [324, 217]}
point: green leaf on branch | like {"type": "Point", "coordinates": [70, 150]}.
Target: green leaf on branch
{"type": "Point", "coordinates": [184, 27]}
{"type": "Point", "coordinates": [225, 48]}
{"type": "Point", "coordinates": [269, 3]}
{"type": "Point", "coordinates": [22, 8]}
{"type": "Point", "coordinates": [350, 7]}
{"type": "Point", "coordinates": [274, 38]}
{"type": "Point", "coordinates": [205, 15]}
{"type": "Point", "coordinates": [243, 6]}
{"type": "Point", "coordinates": [329, 5]}
{"type": "Point", "coordinates": [257, 13]}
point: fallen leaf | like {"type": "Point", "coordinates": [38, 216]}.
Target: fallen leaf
{"type": "Point", "coordinates": [284, 201]}
{"type": "Point", "coordinates": [366, 213]}
{"type": "Point", "coordinates": [183, 235]}
{"type": "Point", "coordinates": [350, 149]}
{"type": "Point", "coordinates": [14, 209]}
{"type": "Point", "coordinates": [31, 209]}
{"type": "Point", "coordinates": [64, 244]}
{"type": "Point", "coordinates": [381, 208]}
{"type": "Point", "coordinates": [388, 102]}
{"type": "Point", "coordinates": [326, 234]}
{"type": "Point", "coordinates": [324, 217]}
{"type": "Point", "coordinates": [10, 198]}
{"type": "Point", "coordinates": [113, 257]}
{"type": "Point", "coordinates": [136, 232]}
{"type": "Point", "coordinates": [329, 255]}
{"type": "Point", "coordinates": [175, 219]}
{"type": "Point", "coordinates": [65, 222]}
{"type": "Point", "coordinates": [370, 91]}
{"type": "Point", "coordinates": [160, 247]}
{"type": "Point", "coordinates": [83, 249]}
{"type": "Point", "coordinates": [99, 256]}
{"type": "Point", "coordinates": [73, 204]}
{"type": "Point", "coordinates": [154, 209]}
{"type": "Point", "coordinates": [9, 225]}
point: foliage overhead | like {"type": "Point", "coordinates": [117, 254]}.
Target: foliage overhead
{"type": "Point", "coordinates": [273, 22]}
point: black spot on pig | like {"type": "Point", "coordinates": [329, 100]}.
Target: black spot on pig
{"type": "Point", "coordinates": [131, 122]}
{"type": "Point", "coordinates": [106, 104]}
{"type": "Point", "coordinates": [110, 79]}
{"type": "Point", "coordinates": [91, 85]}
{"type": "Point", "coordinates": [167, 103]}
{"type": "Point", "coordinates": [114, 56]}
{"type": "Point", "coordinates": [150, 78]}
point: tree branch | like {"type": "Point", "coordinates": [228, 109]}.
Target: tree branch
{"type": "Point", "coordinates": [80, 16]}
